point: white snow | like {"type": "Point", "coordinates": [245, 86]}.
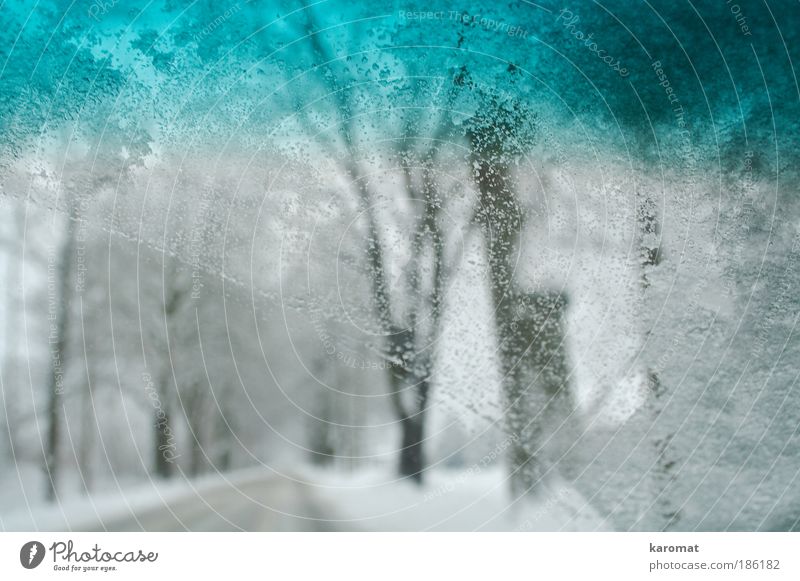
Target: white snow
{"type": "Point", "coordinates": [79, 512]}
{"type": "Point", "coordinates": [372, 500]}
{"type": "Point", "coordinates": [450, 500]}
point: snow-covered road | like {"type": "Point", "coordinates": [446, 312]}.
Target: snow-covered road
{"type": "Point", "coordinates": [267, 504]}
{"type": "Point", "coordinates": [250, 500]}
{"type": "Point", "coordinates": [261, 499]}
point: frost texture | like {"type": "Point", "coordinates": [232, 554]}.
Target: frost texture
{"type": "Point", "coordinates": [346, 235]}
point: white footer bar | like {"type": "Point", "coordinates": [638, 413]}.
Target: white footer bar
{"type": "Point", "coordinates": [400, 556]}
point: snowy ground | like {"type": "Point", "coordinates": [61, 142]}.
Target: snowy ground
{"type": "Point", "coordinates": [253, 499]}
{"type": "Point", "coordinates": [311, 499]}
{"type": "Point", "coordinates": [450, 501]}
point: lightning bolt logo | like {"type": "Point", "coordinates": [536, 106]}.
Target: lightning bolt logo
{"type": "Point", "coordinates": [31, 554]}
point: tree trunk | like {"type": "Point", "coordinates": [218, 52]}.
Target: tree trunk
{"type": "Point", "coordinates": [320, 446]}
{"type": "Point", "coordinates": [164, 440]}
{"type": "Point", "coordinates": [223, 439]}
{"type": "Point", "coordinates": [59, 326]}
{"type": "Point", "coordinates": [164, 445]}
{"type": "Point", "coordinates": [195, 420]}
{"type": "Point", "coordinates": [411, 414]}
{"type": "Point", "coordinates": [529, 327]}
{"type": "Point", "coordinates": [664, 473]}
{"type": "Point", "coordinates": [197, 459]}
{"type": "Point", "coordinates": [412, 459]}
{"type": "Point", "coordinates": [535, 382]}
{"type": "Point", "coordinates": [51, 450]}
{"type": "Point", "coordinates": [10, 331]}
{"type": "Point", "coordinates": [88, 426]}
